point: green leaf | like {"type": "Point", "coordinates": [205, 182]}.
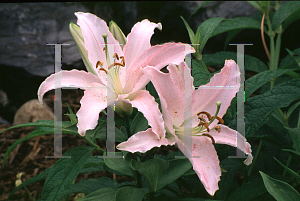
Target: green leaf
{"type": "Point", "coordinates": [37, 132]}
{"type": "Point", "coordinates": [256, 81]}
{"type": "Point", "coordinates": [251, 63]}
{"type": "Point", "coordinates": [122, 165]}
{"type": "Point", "coordinates": [72, 116]}
{"type": "Point", "coordinates": [152, 169]}
{"type": "Point", "coordinates": [294, 174]}
{"type": "Point", "coordinates": [248, 191]}
{"type": "Point", "coordinates": [32, 180]}
{"type": "Point", "coordinates": [296, 58]}
{"type": "Point", "coordinates": [103, 194]}
{"type": "Point", "coordinates": [280, 190]}
{"type": "Point", "coordinates": [139, 123]}
{"type": "Point", "coordinates": [41, 123]}
{"type": "Point", "coordinates": [231, 166]}
{"type": "Point", "coordinates": [295, 135]}
{"type": "Point", "coordinates": [200, 74]}
{"type": "Point", "coordinates": [90, 185]}
{"type": "Point", "coordinates": [94, 161]}
{"type": "Point", "coordinates": [289, 61]}
{"type": "Point", "coordinates": [78, 38]}
{"type": "Point", "coordinates": [230, 36]}
{"type": "Point", "coordinates": [64, 172]}
{"type": "Point", "coordinates": [255, 4]}
{"type": "Point", "coordinates": [199, 7]}
{"type": "Point", "coordinates": [194, 199]}
{"type": "Point", "coordinates": [152, 90]}
{"type": "Point", "coordinates": [292, 151]}
{"type": "Point", "coordinates": [206, 30]}
{"type": "Point", "coordinates": [177, 167]}
{"type": "Point", "coordinates": [286, 12]}
{"type": "Point", "coordinates": [190, 31]}
{"type": "Point", "coordinates": [130, 193]}
{"type": "Point", "coordinates": [259, 108]}
{"type": "Point", "coordinates": [235, 24]}
{"type": "Point", "coordinates": [100, 133]}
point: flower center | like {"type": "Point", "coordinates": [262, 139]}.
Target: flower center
{"type": "Point", "coordinates": [112, 70]}
{"type": "Point", "coordinates": [202, 129]}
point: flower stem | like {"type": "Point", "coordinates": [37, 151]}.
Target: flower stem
{"type": "Point", "coordinates": [29, 194]}
{"type": "Point", "coordinates": [255, 157]}
{"type": "Point", "coordinates": [93, 144]}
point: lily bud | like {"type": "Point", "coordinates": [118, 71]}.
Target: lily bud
{"type": "Point", "coordinates": [117, 33]}
{"type": "Point", "coordinates": [78, 38]}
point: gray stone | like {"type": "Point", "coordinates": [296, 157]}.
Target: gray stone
{"type": "Point", "coordinates": [25, 29]}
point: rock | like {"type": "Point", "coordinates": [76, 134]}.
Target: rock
{"type": "Point", "coordinates": [32, 111]}
{"type": "Point", "coordinates": [25, 29]}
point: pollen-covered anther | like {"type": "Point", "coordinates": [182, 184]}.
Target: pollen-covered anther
{"type": "Point", "coordinates": [219, 119]}
{"type": "Point", "coordinates": [206, 113]}
{"type": "Point", "coordinates": [208, 135]}
{"type": "Point", "coordinates": [218, 128]}
{"type": "Point", "coordinates": [204, 124]}
{"type": "Point", "coordinates": [100, 63]}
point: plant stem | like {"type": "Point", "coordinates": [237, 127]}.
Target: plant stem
{"type": "Point", "coordinates": [30, 196]}
{"type": "Point", "coordinates": [287, 164]}
{"type": "Point", "coordinates": [255, 157]}
{"type": "Point", "coordinates": [93, 144]}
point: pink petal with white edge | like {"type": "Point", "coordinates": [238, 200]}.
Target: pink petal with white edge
{"type": "Point", "coordinates": [73, 78]}
{"type": "Point", "coordinates": [204, 159]}
{"type": "Point", "coordinates": [145, 103]}
{"type": "Point", "coordinates": [233, 138]}
{"type": "Point", "coordinates": [138, 40]}
{"type": "Point", "coordinates": [157, 56]}
{"type": "Point", "coordinates": [169, 92]}
{"type": "Point", "coordinates": [92, 28]}
{"type": "Point", "coordinates": [144, 141]}
{"type": "Point", "coordinates": [92, 103]}
{"type": "Point", "coordinates": [222, 87]}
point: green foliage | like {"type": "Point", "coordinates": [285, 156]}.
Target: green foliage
{"type": "Point", "coordinates": [280, 190]}
{"type": "Point", "coordinates": [64, 171]}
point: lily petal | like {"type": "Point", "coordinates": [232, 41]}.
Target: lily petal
{"type": "Point", "coordinates": [138, 40]}
{"type": "Point", "coordinates": [233, 138]}
{"type": "Point", "coordinates": [144, 141]}
{"type": "Point", "coordinates": [145, 103]}
{"type": "Point", "coordinates": [73, 78]}
{"type": "Point", "coordinates": [171, 97]}
{"type": "Point", "coordinates": [157, 56]}
{"type": "Point", "coordinates": [222, 87]}
{"type": "Point", "coordinates": [92, 29]}
{"type": "Point", "coordinates": [92, 103]}
{"type": "Point", "coordinates": [205, 161]}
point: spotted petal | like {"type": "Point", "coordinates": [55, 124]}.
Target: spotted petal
{"type": "Point", "coordinates": [233, 138]}
{"type": "Point", "coordinates": [203, 156]}
{"type": "Point", "coordinates": [222, 87]}
{"type": "Point", "coordinates": [92, 103]}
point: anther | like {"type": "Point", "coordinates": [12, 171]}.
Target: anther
{"type": "Point", "coordinates": [100, 63]}
{"type": "Point", "coordinates": [219, 119]}
{"type": "Point", "coordinates": [204, 124]}
{"type": "Point", "coordinates": [208, 135]}
{"type": "Point", "coordinates": [116, 55]}
{"type": "Point", "coordinates": [218, 129]}
{"type": "Point", "coordinates": [206, 113]}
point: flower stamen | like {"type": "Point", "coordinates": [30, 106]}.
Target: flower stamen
{"type": "Point", "coordinates": [100, 63]}
{"type": "Point", "coordinates": [206, 113]}
{"type": "Point", "coordinates": [208, 135]}
{"type": "Point", "coordinates": [219, 119]}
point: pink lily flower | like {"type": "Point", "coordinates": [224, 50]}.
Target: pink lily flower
{"type": "Point", "coordinates": [117, 70]}
{"type": "Point", "coordinates": [196, 142]}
